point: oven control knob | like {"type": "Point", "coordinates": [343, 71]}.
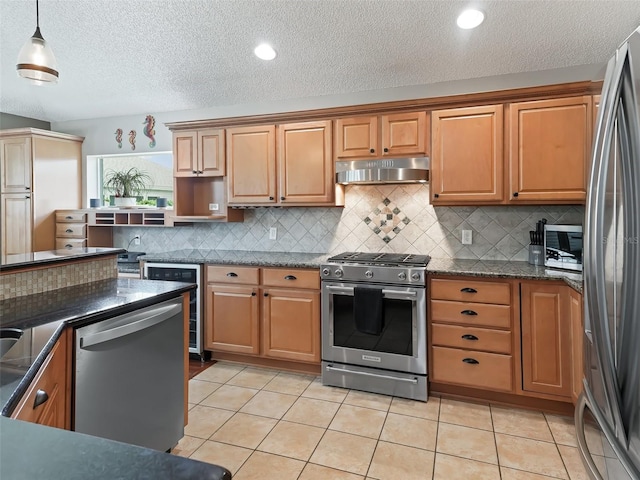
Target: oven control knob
{"type": "Point", "coordinates": [368, 274]}
{"type": "Point", "coordinates": [415, 276]}
{"type": "Point", "coordinates": [326, 272]}
{"type": "Point", "coordinates": [402, 276]}
{"type": "Point", "coordinates": [338, 272]}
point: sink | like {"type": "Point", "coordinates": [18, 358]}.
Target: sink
{"type": "Point", "coordinates": [8, 338]}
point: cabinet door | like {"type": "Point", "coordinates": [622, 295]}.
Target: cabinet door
{"type": "Point", "coordinates": [211, 161]}
{"type": "Point", "coordinates": [232, 322]}
{"type": "Point", "coordinates": [46, 399]}
{"type": "Point", "coordinates": [251, 161]}
{"type": "Point", "coordinates": [291, 324]}
{"type": "Point", "coordinates": [357, 137]}
{"type": "Point", "coordinates": [305, 163]}
{"type": "Point", "coordinates": [466, 155]}
{"type": "Point", "coordinates": [549, 148]}
{"type": "Point", "coordinates": [404, 134]}
{"type": "Point", "coordinates": [185, 154]}
{"type": "Point", "coordinates": [17, 223]}
{"type": "Point", "coordinates": [577, 338]}
{"type": "Point", "coordinates": [546, 339]}
{"type": "Point", "coordinates": [15, 165]}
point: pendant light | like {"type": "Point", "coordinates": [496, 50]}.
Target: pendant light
{"type": "Point", "coordinates": [36, 61]}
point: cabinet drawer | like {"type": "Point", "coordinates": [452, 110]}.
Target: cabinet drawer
{"type": "Point", "coordinates": [291, 277]}
{"type": "Point", "coordinates": [233, 274]}
{"type": "Point", "coordinates": [62, 243]}
{"type": "Point", "coordinates": [71, 217]}
{"type": "Point", "coordinates": [472, 314]}
{"type": "Point", "coordinates": [471, 291]}
{"type": "Point", "coordinates": [491, 372]}
{"type": "Point", "coordinates": [484, 339]}
{"type": "Point", "coordinates": [72, 230]}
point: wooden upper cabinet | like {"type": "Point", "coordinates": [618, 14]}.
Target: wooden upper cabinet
{"type": "Point", "coordinates": [546, 339]}
{"type": "Point", "coordinates": [382, 136]}
{"type": "Point", "coordinates": [466, 155]}
{"type": "Point", "coordinates": [199, 153]}
{"type": "Point", "coordinates": [15, 165]}
{"type": "Point", "coordinates": [251, 160]}
{"type": "Point", "coordinates": [305, 163]}
{"type": "Point", "coordinates": [549, 148]}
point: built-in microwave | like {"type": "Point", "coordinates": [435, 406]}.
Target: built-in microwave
{"type": "Point", "coordinates": [563, 246]}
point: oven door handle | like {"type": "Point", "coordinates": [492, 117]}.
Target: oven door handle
{"type": "Point", "coordinates": [397, 294]}
{"type": "Point", "coordinates": [367, 374]}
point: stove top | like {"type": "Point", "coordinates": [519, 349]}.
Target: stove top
{"type": "Point", "coordinates": [394, 259]}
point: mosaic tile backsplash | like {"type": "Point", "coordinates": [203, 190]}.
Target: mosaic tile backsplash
{"type": "Point", "coordinates": [381, 218]}
{"type": "Point", "coordinates": [45, 279]}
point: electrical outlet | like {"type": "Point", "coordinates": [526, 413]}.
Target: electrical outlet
{"type": "Point", "coordinates": [214, 207]}
{"type": "Point", "coordinates": [273, 233]}
{"type": "Point", "coordinates": [136, 240]}
{"type": "Point", "coordinates": [467, 237]}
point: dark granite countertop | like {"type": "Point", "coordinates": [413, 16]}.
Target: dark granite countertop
{"type": "Point", "coordinates": [503, 269]}
{"type": "Point", "coordinates": [25, 260]}
{"type": "Point", "coordinates": [240, 257]}
{"type": "Point", "coordinates": [44, 316]}
{"type": "Point", "coordinates": [29, 451]}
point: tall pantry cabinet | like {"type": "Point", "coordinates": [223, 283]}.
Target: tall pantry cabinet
{"type": "Point", "coordinates": [40, 172]}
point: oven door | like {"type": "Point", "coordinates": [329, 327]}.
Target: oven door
{"type": "Point", "coordinates": [400, 346]}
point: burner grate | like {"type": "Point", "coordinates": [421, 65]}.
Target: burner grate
{"type": "Point", "coordinates": [381, 258]}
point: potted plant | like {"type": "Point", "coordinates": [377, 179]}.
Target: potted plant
{"type": "Point", "coordinates": [126, 185]}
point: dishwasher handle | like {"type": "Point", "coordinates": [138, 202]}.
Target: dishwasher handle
{"type": "Point", "coordinates": [139, 321]}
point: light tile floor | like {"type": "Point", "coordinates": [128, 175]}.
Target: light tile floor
{"type": "Point", "coordinates": [263, 424]}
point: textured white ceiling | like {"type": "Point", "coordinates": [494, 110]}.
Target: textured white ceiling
{"type": "Point", "coordinates": [119, 57]}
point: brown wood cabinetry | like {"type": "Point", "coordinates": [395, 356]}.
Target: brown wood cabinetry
{"type": "Point", "coordinates": [382, 136]}
{"type": "Point", "coordinates": [15, 165]}
{"type": "Point", "coordinates": [47, 400]}
{"type": "Point", "coordinates": [264, 312]}
{"type": "Point", "coordinates": [546, 339]}
{"type": "Point", "coordinates": [16, 223]}
{"type": "Point", "coordinates": [471, 333]}
{"type": "Point", "coordinates": [71, 229]}
{"type": "Point", "coordinates": [577, 339]}
{"type": "Point", "coordinates": [466, 155]}
{"type": "Point", "coordinates": [549, 148]}
{"type": "Point", "coordinates": [199, 153]}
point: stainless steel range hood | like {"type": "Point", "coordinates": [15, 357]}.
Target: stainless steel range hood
{"type": "Point", "coordinates": [388, 170]}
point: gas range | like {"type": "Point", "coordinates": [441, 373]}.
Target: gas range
{"type": "Point", "coordinates": [382, 268]}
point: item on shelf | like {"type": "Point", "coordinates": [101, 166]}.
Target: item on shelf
{"type": "Point", "coordinates": [95, 202]}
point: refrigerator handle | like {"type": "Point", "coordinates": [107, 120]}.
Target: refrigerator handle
{"type": "Point", "coordinates": [588, 462]}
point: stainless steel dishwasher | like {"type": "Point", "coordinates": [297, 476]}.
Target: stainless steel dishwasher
{"type": "Point", "coordinates": [129, 377]}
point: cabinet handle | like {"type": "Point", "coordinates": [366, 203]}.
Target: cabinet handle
{"type": "Point", "coordinates": [469, 337]}
{"type": "Point", "coordinates": [436, 195]}
{"type": "Point", "coordinates": [468, 290]}
{"type": "Point", "coordinates": [69, 230]}
{"type": "Point", "coordinates": [68, 217]}
{"type": "Point", "coordinates": [27, 188]}
{"type": "Point", "coordinates": [68, 245]}
{"type": "Point", "coordinates": [290, 277]}
{"type": "Point", "coordinates": [281, 198]}
{"type": "Point", "coordinates": [232, 274]}
{"type": "Point", "coordinates": [253, 294]}
{"type": "Point", "coordinates": [386, 150]}
{"type": "Point", "coordinates": [27, 196]}
{"type": "Point", "coordinates": [195, 172]}
{"type": "Point", "coordinates": [270, 198]}
{"type": "Point", "coordinates": [372, 150]}
{"type": "Point", "coordinates": [200, 171]}
{"type": "Point", "coordinates": [41, 397]}
{"type": "Point", "coordinates": [468, 312]}
{"type": "Point", "coordinates": [515, 194]}
{"type": "Point", "coordinates": [470, 361]}
{"type": "Point", "coordinates": [266, 294]}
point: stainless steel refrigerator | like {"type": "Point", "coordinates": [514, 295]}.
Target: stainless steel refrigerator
{"type": "Point", "coordinates": [607, 416]}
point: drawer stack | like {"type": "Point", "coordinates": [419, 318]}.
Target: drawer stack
{"type": "Point", "coordinates": [471, 335]}
{"type": "Point", "coordinates": [71, 229]}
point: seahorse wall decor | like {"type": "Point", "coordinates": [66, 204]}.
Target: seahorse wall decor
{"type": "Point", "coordinates": [119, 137]}
{"type": "Point", "coordinates": [132, 139]}
{"type": "Point", "coordinates": [148, 130]}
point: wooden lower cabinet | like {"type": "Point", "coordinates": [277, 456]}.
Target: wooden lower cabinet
{"type": "Point", "coordinates": [16, 223]}
{"type": "Point", "coordinates": [232, 319]}
{"type": "Point", "coordinates": [473, 369]}
{"type": "Point", "coordinates": [546, 339]}
{"type": "Point", "coordinates": [577, 339]}
{"type": "Point", "coordinates": [47, 401]}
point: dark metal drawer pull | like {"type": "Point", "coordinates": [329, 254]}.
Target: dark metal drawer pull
{"type": "Point", "coordinates": [468, 312]}
{"type": "Point", "coordinates": [468, 290]}
{"type": "Point", "coordinates": [469, 337]}
{"type": "Point", "coordinates": [69, 230]}
{"type": "Point", "coordinates": [290, 277]}
{"type": "Point", "coordinates": [41, 397]}
{"type": "Point", "coordinates": [232, 274]}
{"type": "Point", "coordinates": [69, 217]}
{"type": "Point", "coordinates": [68, 245]}
{"type": "Point", "coordinates": [471, 361]}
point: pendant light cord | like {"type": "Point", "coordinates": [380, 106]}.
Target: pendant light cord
{"type": "Point", "coordinates": [37, 15]}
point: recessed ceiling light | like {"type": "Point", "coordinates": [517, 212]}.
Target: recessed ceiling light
{"type": "Point", "coordinates": [470, 18]}
{"type": "Point", "coordinates": [265, 52]}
